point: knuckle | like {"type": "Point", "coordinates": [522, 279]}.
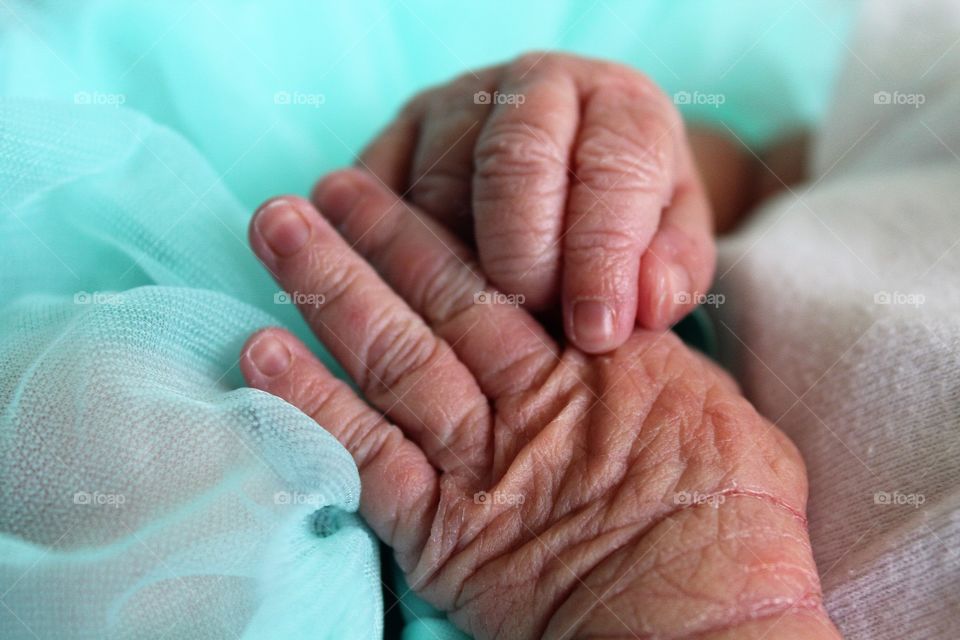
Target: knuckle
{"type": "Point", "coordinates": [530, 227]}
{"type": "Point", "coordinates": [617, 160]}
{"type": "Point", "coordinates": [317, 397]}
{"type": "Point", "coordinates": [397, 348]}
{"type": "Point", "coordinates": [638, 86]}
{"type": "Point", "coordinates": [614, 283]}
{"type": "Point", "coordinates": [332, 277]}
{"type": "Point", "coordinates": [441, 188]}
{"type": "Point", "coordinates": [600, 241]}
{"type": "Point", "coordinates": [372, 437]}
{"type": "Point", "coordinates": [529, 60]}
{"type": "Point", "coordinates": [448, 288]}
{"type": "Point", "coordinates": [522, 153]}
{"type": "Point", "coordinates": [631, 86]}
{"type": "Point", "coordinates": [515, 262]}
{"type": "Point", "coordinates": [528, 240]}
{"type": "Point", "coordinates": [324, 399]}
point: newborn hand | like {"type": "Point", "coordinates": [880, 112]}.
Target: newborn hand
{"type": "Point", "coordinates": [531, 492]}
{"type": "Point", "coordinates": [563, 168]}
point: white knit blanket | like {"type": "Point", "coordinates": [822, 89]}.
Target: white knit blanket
{"type": "Point", "coordinates": [842, 320]}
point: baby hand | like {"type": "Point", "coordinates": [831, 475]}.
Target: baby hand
{"type": "Point", "coordinates": [575, 180]}
{"type": "Point", "coordinates": [529, 490]}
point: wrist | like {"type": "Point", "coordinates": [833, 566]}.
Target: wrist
{"type": "Point", "coordinates": [739, 569]}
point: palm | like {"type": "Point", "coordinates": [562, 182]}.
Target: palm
{"type": "Point", "coordinates": [591, 476]}
{"type": "Point", "coordinates": [527, 490]}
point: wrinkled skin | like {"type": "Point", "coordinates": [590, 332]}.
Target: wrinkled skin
{"type": "Point", "coordinates": [634, 494]}
{"type": "Point", "coordinates": [576, 180]}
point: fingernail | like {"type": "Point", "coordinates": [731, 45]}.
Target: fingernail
{"type": "Point", "coordinates": [283, 228]}
{"type": "Point", "coordinates": [593, 323]}
{"type": "Point", "coordinates": [336, 197]}
{"type": "Point", "coordinates": [270, 356]}
{"type": "Point", "coordinates": [674, 294]}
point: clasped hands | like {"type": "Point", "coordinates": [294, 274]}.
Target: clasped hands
{"type": "Point", "coordinates": [610, 484]}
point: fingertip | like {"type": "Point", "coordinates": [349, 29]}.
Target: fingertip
{"type": "Point", "coordinates": [600, 298]}
{"type": "Point", "coordinates": [665, 295]}
{"type": "Point", "coordinates": [592, 325]}
{"type": "Point", "coordinates": [596, 326]}
{"type": "Point", "coordinates": [280, 228]}
{"type": "Point", "coordinates": [336, 194]}
{"type": "Point", "coordinates": [265, 357]}
{"type": "Point", "coordinates": [675, 273]}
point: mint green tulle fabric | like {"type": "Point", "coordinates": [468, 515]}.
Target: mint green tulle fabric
{"type": "Point", "coordinates": [144, 492]}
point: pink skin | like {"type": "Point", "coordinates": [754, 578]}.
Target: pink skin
{"type": "Point", "coordinates": [633, 494]}
{"type": "Point", "coordinates": [585, 191]}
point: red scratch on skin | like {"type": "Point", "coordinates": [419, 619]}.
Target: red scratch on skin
{"type": "Point", "coordinates": [750, 493]}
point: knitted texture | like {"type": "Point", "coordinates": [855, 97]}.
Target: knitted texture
{"type": "Point", "coordinates": [842, 320]}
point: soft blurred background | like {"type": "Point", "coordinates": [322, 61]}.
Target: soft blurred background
{"type": "Point", "coordinates": [218, 72]}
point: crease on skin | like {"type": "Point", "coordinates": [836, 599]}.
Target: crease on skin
{"type": "Point", "coordinates": [443, 534]}
{"type": "Point", "coordinates": [639, 534]}
{"type": "Point", "coordinates": [755, 533]}
{"type": "Point", "coordinates": [527, 153]}
{"type": "Point", "coordinates": [661, 564]}
{"type": "Point", "coordinates": [431, 190]}
{"type": "Point", "coordinates": [670, 514]}
{"type": "Point", "coordinates": [447, 298]}
{"type": "Point", "coordinates": [758, 610]}
{"type": "Point", "coordinates": [522, 362]}
{"type": "Point", "coordinates": [552, 558]}
{"type": "Point", "coordinates": [478, 417]}
{"type": "Point", "coordinates": [522, 469]}
{"type": "Point", "coordinates": [783, 567]}
{"type": "Point", "coordinates": [458, 600]}
{"type": "Point", "coordinates": [767, 610]}
{"type": "Point", "coordinates": [556, 522]}
{"type": "Point", "coordinates": [676, 589]}
{"type": "Point", "coordinates": [448, 541]}
{"type": "Point", "coordinates": [635, 164]}
{"type": "Point", "coordinates": [341, 281]}
{"type": "Point", "coordinates": [391, 353]}
{"type": "Point", "coordinates": [530, 264]}
{"type": "Point", "coordinates": [415, 547]}
{"type": "Point", "coordinates": [552, 383]}
{"type": "Point", "coordinates": [568, 592]}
